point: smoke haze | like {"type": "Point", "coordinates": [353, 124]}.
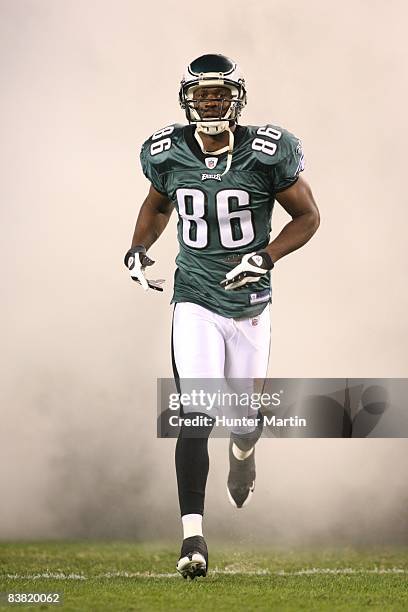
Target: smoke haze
{"type": "Point", "coordinates": [83, 85]}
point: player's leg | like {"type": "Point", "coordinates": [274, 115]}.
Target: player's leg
{"type": "Point", "coordinates": [198, 352]}
{"type": "Point", "coordinates": [192, 465]}
{"type": "Point", "coordinates": [247, 351]}
{"type": "Point", "coordinates": [247, 356]}
{"type": "Point", "coordinates": [197, 343]}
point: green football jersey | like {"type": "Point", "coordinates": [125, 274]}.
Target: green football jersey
{"type": "Point", "coordinates": [221, 217]}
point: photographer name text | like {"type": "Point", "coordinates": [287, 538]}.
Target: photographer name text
{"type": "Point", "coordinates": [223, 421]}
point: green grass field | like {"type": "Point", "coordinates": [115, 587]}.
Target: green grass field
{"type": "Point", "coordinates": [123, 576]}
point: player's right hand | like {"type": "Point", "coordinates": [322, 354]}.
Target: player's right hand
{"type": "Point", "coordinates": [136, 261]}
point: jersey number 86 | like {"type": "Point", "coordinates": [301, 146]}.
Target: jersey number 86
{"type": "Point", "coordinates": [195, 229]}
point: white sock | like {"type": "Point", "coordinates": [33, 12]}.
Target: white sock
{"type": "Point", "coordinates": [192, 525]}
{"type": "Point", "coordinates": [239, 454]}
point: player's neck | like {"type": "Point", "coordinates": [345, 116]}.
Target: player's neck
{"type": "Point", "coordinates": [216, 141]}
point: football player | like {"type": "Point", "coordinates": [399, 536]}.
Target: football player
{"type": "Point", "coordinates": [223, 179]}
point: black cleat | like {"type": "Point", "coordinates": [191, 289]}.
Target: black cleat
{"type": "Point", "coordinates": [241, 479]}
{"type": "Point", "coordinates": [193, 559]}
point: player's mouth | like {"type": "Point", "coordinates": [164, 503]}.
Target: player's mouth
{"type": "Point", "coordinates": [213, 114]}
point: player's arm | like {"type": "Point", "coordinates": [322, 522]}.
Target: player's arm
{"type": "Point", "coordinates": [299, 203]}
{"type": "Point", "coordinates": [153, 217]}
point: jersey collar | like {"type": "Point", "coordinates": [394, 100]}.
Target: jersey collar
{"type": "Point", "coordinates": [194, 147]}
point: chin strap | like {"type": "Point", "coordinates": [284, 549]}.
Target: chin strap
{"type": "Point", "coordinates": [229, 147]}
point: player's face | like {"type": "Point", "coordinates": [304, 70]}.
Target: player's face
{"type": "Point", "coordinates": [212, 102]}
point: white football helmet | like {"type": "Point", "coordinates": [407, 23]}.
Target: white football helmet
{"type": "Point", "coordinates": [213, 71]}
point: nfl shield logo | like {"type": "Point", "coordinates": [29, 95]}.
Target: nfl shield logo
{"type": "Point", "coordinates": [211, 162]}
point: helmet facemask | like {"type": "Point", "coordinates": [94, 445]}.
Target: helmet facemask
{"type": "Point", "coordinates": [229, 107]}
{"type": "Point", "coordinates": [213, 71]}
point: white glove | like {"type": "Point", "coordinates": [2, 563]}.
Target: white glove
{"type": "Point", "coordinates": [136, 261]}
{"type": "Point", "coordinates": [252, 267]}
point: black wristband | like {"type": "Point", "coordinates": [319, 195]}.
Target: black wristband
{"type": "Point", "coordinates": [139, 248]}
{"type": "Point", "coordinates": [266, 259]}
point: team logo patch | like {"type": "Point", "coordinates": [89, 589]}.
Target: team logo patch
{"type": "Point", "coordinates": [211, 162]}
{"type": "Point", "coordinates": [299, 151]}
{"type": "Point", "coordinates": [205, 177]}
{"type": "Point", "coordinates": [254, 321]}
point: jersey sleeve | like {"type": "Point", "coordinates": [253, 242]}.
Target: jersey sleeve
{"type": "Point", "coordinates": [286, 172]}
{"type": "Point", "coordinates": [150, 171]}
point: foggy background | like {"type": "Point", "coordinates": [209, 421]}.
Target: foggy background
{"type": "Point", "coordinates": [83, 84]}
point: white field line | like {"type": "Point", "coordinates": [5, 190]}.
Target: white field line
{"type": "Point", "coordinates": [226, 572]}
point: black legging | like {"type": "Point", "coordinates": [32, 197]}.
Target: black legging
{"type": "Point", "coordinates": [192, 464]}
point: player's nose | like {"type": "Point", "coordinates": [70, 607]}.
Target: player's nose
{"type": "Point", "coordinates": [211, 103]}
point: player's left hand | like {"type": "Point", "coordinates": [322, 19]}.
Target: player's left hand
{"type": "Point", "coordinates": [252, 267]}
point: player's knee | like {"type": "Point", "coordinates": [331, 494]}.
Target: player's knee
{"type": "Point", "coordinates": [246, 441]}
{"type": "Point", "coordinates": [196, 425]}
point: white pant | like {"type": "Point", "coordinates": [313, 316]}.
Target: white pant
{"type": "Point", "coordinates": [209, 346]}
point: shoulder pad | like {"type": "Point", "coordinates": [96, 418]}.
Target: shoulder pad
{"type": "Point", "coordinates": [155, 156]}
{"type": "Point", "coordinates": [155, 148]}
{"type": "Point", "coordinates": [272, 144]}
